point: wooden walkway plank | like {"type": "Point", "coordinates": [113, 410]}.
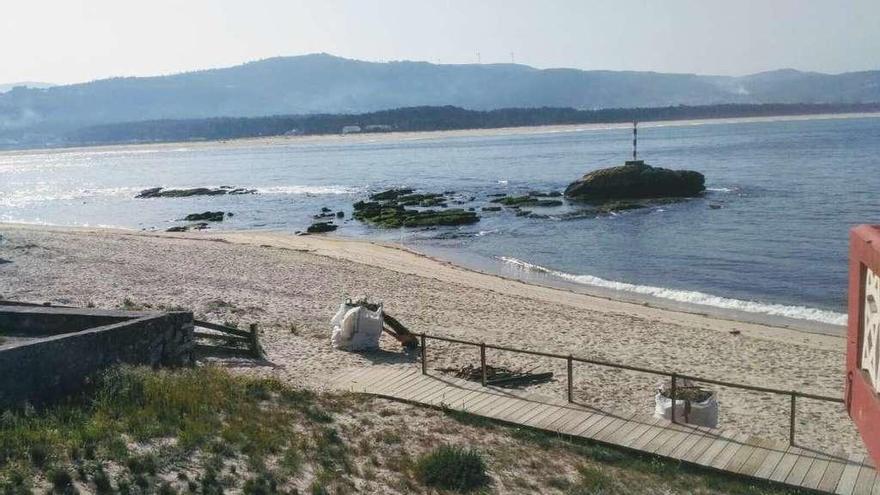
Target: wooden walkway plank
{"type": "Point", "coordinates": [636, 433]}
{"type": "Point", "coordinates": [814, 475]}
{"type": "Point", "coordinates": [685, 434]}
{"type": "Point", "coordinates": [742, 455]}
{"type": "Point", "coordinates": [578, 421]}
{"type": "Point", "coordinates": [785, 464]}
{"type": "Point", "coordinates": [545, 423]}
{"type": "Point", "coordinates": [688, 444]}
{"type": "Point", "coordinates": [723, 450]}
{"type": "Point", "coordinates": [832, 476]}
{"type": "Point", "coordinates": [618, 435]}
{"type": "Point", "coordinates": [536, 411]}
{"type": "Point", "coordinates": [589, 427]}
{"type": "Point", "coordinates": [865, 481]}
{"type": "Point", "coordinates": [648, 436]}
{"type": "Point", "coordinates": [849, 476]}
{"type": "Point", "coordinates": [799, 470]}
{"type": "Point", "coordinates": [770, 463]}
{"type": "Point", "coordinates": [757, 458]}
{"type": "Point", "coordinates": [717, 446]}
{"type": "Point", "coordinates": [612, 429]}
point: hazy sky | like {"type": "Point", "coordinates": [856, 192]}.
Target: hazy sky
{"type": "Point", "coordinates": [78, 40]}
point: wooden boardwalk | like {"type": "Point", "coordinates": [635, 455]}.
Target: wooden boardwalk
{"type": "Point", "coordinates": [715, 449]}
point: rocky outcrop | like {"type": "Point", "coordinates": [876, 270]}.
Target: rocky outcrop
{"type": "Point", "coordinates": [321, 227]}
{"type": "Point", "coordinates": [208, 216]}
{"type": "Point", "coordinates": [388, 209]}
{"type": "Point", "coordinates": [161, 192]}
{"type": "Point", "coordinates": [636, 180]}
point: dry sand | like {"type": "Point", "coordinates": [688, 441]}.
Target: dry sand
{"type": "Point", "coordinates": [292, 285]}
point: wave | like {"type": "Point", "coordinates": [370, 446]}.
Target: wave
{"type": "Point", "coordinates": [335, 189]}
{"type": "Point", "coordinates": [22, 197]}
{"type": "Point", "coordinates": [722, 189]}
{"type": "Point", "coordinates": [691, 297]}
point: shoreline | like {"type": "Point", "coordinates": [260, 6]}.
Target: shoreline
{"type": "Point", "coordinates": [550, 280]}
{"type": "Point", "coordinates": [459, 261]}
{"type": "Point", "coordinates": [367, 138]}
{"type": "Point", "coordinates": [403, 258]}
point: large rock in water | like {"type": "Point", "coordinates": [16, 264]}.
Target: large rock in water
{"type": "Point", "coordinates": [635, 180]}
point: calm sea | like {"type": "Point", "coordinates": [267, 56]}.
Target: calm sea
{"type": "Point", "coordinates": [788, 190]}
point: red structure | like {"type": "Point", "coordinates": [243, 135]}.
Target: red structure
{"type": "Point", "coordinates": [863, 340]}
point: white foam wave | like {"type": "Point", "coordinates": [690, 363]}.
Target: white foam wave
{"type": "Point", "coordinates": [40, 194]}
{"type": "Point", "coordinates": [485, 232]}
{"type": "Point", "coordinates": [308, 190]}
{"type": "Point", "coordinates": [691, 297]}
{"type": "Point", "coordinates": [719, 189]}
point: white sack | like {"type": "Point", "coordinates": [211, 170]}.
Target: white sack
{"type": "Point", "coordinates": [356, 328]}
{"type": "Point", "coordinates": [701, 413]}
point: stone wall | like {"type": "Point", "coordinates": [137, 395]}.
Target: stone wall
{"type": "Point", "coordinates": [44, 368]}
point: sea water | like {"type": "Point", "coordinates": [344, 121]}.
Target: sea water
{"type": "Point", "coordinates": [768, 237]}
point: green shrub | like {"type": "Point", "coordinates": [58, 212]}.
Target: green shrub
{"type": "Point", "coordinates": [592, 480]}
{"type": "Point", "coordinates": [61, 481]}
{"type": "Point", "coordinates": [262, 484]}
{"type": "Point", "coordinates": [166, 489]}
{"type": "Point", "coordinates": [102, 482]}
{"type": "Point", "coordinates": [452, 468]}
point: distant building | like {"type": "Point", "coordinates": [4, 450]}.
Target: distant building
{"type": "Point", "coordinates": [378, 128]}
{"type": "Point", "coordinates": [351, 129]}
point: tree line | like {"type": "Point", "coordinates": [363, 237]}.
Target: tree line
{"type": "Point", "coordinates": [427, 118]}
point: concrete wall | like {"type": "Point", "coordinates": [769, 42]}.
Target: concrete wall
{"type": "Point", "coordinates": [43, 370]}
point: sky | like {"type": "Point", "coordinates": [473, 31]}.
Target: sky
{"type": "Point", "coordinates": [66, 41]}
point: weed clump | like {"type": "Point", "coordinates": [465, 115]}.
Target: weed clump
{"type": "Point", "coordinates": [452, 468]}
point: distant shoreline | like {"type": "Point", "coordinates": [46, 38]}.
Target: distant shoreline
{"type": "Point", "coordinates": [366, 138]}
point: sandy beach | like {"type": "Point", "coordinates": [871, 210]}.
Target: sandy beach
{"type": "Point", "coordinates": [404, 136]}
{"type": "Point", "coordinates": [292, 285]}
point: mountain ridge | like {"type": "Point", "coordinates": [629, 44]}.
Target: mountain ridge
{"type": "Point", "coordinates": [323, 83]}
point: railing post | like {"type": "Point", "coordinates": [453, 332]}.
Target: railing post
{"type": "Point", "coordinates": [424, 354]}
{"type": "Point", "coordinates": [792, 416]}
{"type": "Point", "coordinates": [483, 363]}
{"type": "Point", "coordinates": [570, 379]}
{"type": "Point", "coordinates": [672, 412]}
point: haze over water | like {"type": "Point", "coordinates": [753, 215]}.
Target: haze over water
{"type": "Point", "coordinates": [788, 190]}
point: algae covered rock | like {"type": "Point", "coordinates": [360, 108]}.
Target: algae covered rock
{"type": "Point", "coordinates": [530, 200]}
{"type": "Point", "coordinates": [636, 180]}
{"type": "Point", "coordinates": [393, 213]}
{"type": "Point", "coordinates": [208, 216]}
{"type": "Point", "coordinates": [161, 192]}
{"type": "Point", "coordinates": [321, 227]}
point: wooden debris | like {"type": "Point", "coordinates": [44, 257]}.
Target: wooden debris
{"type": "Point", "coordinates": [500, 376]}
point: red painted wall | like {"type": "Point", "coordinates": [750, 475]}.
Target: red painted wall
{"type": "Point", "coordinates": [862, 402]}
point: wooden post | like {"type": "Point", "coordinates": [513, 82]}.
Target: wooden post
{"type": "Point", "coordinates": [483, 363]}
{"type": "Point", "coordinates": [792, 417]}
{"type": "Point", "coordinates": [672, 413]}
{"type": "Point", "coordinates": [254, 342]}
{"type": "Point", "coordinates": [570, 379]}
{"type": "Point", "coordinates": [424, 354]}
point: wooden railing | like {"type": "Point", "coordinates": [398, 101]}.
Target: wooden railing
{"type": "Point", "coordinates": [674, 376]}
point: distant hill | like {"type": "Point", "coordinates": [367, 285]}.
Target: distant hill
{"type": "Point", "coordinates": [326, 84]}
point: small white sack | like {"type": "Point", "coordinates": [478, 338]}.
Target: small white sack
{"type": "Point", "coordinates": [701, 413]}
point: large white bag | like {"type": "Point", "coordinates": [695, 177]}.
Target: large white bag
{"type": "Point", "coordinates": [356, 328]}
